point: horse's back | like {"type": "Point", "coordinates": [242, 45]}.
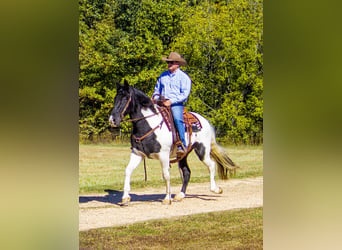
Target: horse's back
{"type": "Point", "coordinates": [204, 122]}
{"type": "Point", "coordinates": [205, 133]}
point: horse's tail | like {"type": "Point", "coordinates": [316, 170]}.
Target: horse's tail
{"type": "Point", "coordinates": [223, 162]}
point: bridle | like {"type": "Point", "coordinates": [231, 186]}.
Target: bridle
{"type": "Point", "coordinates": [126, 106]}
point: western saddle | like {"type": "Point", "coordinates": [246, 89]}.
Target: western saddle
{"type": "Point", "coordinates": [191, 122]}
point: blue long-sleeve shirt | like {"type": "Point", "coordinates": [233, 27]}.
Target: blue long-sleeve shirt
{"type": "Point", "coordinates": [174, 86]}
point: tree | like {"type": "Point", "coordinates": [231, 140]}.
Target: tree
{"type": "Point", "coordinates": [224, 51]}
{"type": "Point", "coordinates": [221, 40]}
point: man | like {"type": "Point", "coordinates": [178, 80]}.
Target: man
{"type": "Point", "coordinates": [175, 86]}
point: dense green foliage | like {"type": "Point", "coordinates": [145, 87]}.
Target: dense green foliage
{"type": "Point", "coordinates": [221, 40]}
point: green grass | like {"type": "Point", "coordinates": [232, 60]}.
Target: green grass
{"type": "Point", "coordinates": [234, 229]}
{"type": "Point", "coordinates": [102, 167]}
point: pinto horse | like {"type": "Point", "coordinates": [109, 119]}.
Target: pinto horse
{"type": "Point", "coordinates": [153, 140]}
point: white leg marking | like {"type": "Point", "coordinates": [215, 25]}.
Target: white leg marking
{"type": "Point", "coordinates": [211, 166]}
{"type": "Point", "coordinates": [178, 197]}
{"type": "Point", "coordinates": [165, 164]}
{"type": "Point", "coordinates": [133, 163]}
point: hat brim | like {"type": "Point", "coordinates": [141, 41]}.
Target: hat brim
{"type": "Point", "coordinates": [181, 61]}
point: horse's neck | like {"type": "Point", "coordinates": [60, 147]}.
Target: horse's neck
{"type": "Point", "coordinates": [150, 113]}
{"type": "Point", "coordinates": [141, 113]}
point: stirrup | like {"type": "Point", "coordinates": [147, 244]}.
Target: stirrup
{"type": "Point", "coordinates": [180, 150]}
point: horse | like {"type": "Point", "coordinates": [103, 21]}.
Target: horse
{"type": "Point", "coordinates": [149, 138]}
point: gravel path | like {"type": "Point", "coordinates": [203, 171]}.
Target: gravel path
{"type": "Point", "coordinates": [103, 210]}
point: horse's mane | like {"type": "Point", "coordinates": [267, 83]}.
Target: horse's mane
{"type": "Point", "coordinates": [143, 99]}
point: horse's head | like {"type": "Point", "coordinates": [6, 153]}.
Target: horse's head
{"type": "Point", "coordinates": [122, 102]}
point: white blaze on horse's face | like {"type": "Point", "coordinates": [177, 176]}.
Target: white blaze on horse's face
{"type": "Point", "coordinates": [122, 101]}
{"type": "Point", "coordinates": [118, 110]}
{"type": "Point", "coordinates": [111, 120]}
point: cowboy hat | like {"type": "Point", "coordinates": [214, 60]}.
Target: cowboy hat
{"type": "Point", "coordinates": [175, 57]}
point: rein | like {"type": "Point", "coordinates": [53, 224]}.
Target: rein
{"type": "Point", "coordinates": [139, 118]}
{"type": "Point", "coordinates": [139, 139]}
{"type": "Point", "coordinates": [135, 119]}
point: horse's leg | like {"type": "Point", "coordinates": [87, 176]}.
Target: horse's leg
{"type": "Point", "coordinates": [133, 163]}
{"type": "Point", "coordinates": [183, 165]}
{"type": "Point", "coordinates": [165, 163]}
{"type": "Point", "coordinates": [203, 154]}
{"type": "Point", "coordinates": [211, 166]}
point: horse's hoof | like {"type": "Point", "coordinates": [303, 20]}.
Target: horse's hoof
{"type": "Point", "coordinates": [166, 202]}
{"type": "Point", "coordinates": [179, 197]}
{"type": "Point", "coordinates": [125, 201]}
{"type": "Point", "coordinates": [217, 190]}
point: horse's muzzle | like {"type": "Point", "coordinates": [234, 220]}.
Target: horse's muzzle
{"type": "Point", "coordinates": [112, 122]}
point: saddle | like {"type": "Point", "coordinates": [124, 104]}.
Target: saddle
{"type": "Point", "coordinates": [191, 122]}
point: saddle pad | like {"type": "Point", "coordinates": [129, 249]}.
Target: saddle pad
{"type": "Point", "coordinates": [191, 120]}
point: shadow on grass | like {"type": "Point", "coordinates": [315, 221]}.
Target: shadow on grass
{"type": "Point", "coordinates": [114, 197]}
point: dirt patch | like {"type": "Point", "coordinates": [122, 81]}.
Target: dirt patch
{"type": "Point", "coordinates": [103, 210]}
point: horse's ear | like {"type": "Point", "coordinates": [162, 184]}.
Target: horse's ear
{"type": "Point", "coordinates": [126, 85]}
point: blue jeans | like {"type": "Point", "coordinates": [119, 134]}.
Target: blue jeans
{"type": "Point", "coordinates": [177, 112]}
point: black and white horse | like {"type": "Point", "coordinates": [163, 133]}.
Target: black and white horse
{"type": "Point", "coordinates": [150, 138]}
